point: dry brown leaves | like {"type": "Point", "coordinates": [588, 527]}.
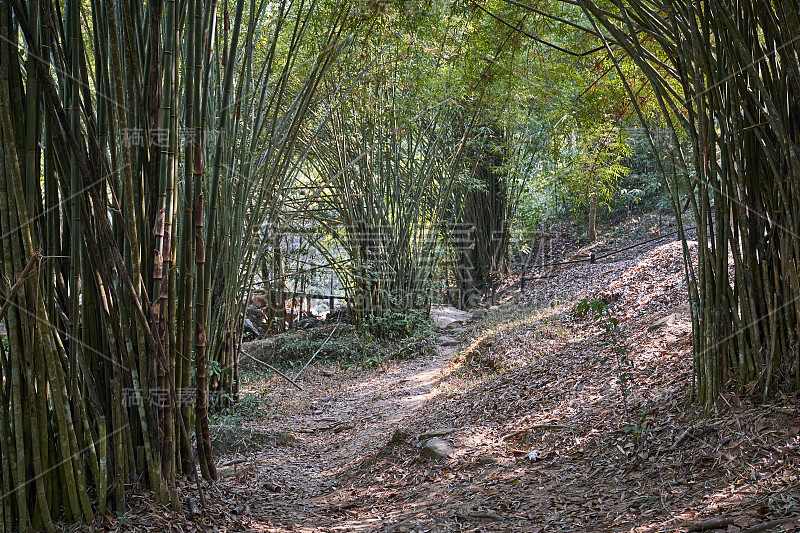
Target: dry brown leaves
{"type": "Point", "coordinates": [544, 444]}
{"type": "Point", "coordinates": [569, 455]}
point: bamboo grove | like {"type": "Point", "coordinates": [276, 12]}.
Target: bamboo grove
{"type": "Point", "coordinates": [727, 79]}
{"type": "Point", "coordinates": [388, 173]}
{"type": "Point", "coordinates": [387, 191]}
{"type": "Point", "coordinates": [151, 154]}
{"type": "Point", "coordinates": [141, 145]}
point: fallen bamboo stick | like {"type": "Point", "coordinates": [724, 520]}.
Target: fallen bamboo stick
{"type": "Point", "coordinates": [281, 374]}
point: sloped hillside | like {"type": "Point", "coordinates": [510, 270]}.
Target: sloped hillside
{"type": "Point", "coordinates": [551, 443]}
{"type": "Point", "coordinates": [536, 428]}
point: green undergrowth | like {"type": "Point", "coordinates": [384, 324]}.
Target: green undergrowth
{"type": "Point", "coordinates": [248, 407]}
{"type": "Point", "coordinates": [342, 344]}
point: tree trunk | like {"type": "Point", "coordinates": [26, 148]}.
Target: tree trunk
{"type": "Point", "coordinates": [592, 231]}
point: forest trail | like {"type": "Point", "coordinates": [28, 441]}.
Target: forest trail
{"type": "Point", "coordinates": [344, 454]}
{"type": "Point", "coordinates": [541, 436]}
{"type": "Point", "coordinates": [336, 422]}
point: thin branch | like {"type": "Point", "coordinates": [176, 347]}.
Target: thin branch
{"type": "Point", "coordinates": [18, 285]}
{"type": "Point", "coordinates": [281, 374]}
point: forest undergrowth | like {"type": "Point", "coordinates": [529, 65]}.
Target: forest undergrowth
{"type": "Point", "coordinates": [554, 419]}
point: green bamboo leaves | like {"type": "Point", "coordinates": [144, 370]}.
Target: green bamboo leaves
{"type": "Point", "coordinates": [385, 180]}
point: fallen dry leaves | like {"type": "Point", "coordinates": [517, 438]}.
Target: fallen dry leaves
{"type": "Point", "coordinates": [543, 440]}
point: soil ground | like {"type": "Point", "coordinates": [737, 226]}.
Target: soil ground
{"type": "Point", "coordinates": [544, 433]}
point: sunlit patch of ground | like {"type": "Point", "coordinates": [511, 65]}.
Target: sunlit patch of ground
{"type": "Point", "coordinates": [568, 451]}
{"type": "Point", "coordinates": [546, 437]}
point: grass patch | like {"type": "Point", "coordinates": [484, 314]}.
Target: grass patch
{"type": "Point", "coordinates": [345, 346]}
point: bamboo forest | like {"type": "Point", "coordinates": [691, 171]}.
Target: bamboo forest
{"type": "Point", "coordinates": [399, 265]}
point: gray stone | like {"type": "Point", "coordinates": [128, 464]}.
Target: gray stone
{"type": "Point", "coordinates": [479, 313]}
{"type": "Point", "coordinates": [441, 432]}
{"type": "Point", "coordinates": [668, 320]}
{"type": "Point", "coordinates": [255, 322]}
{"type": "Point", "coordinates": [444, 340]}
{"type": "Point", "coordinates": [341, 315]}
{"type": "Point", "coordinates": [309, 323]}
{"type": "Point", "coordinates": [447, 317]}
{"type": "Point", "coordinates": [453, 325]}
{"type": "Point", "coordinates": [435, 449]}
{"type": "Point", "coordinates": [399, 436]}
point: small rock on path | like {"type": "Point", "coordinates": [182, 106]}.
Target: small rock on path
{"type": "Point", "coordinates": [435, 448]}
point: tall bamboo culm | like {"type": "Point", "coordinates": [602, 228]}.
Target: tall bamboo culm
{"type": "Point", "coordinates": [727, 78]}
{"type": "Point", "coordinates": [113, 233]}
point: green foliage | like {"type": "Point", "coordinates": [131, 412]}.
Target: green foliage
{"type": "Point", "coordinates": [620, 361]}
{"type": "Point", "coordinates": [216, 371]}
{"type": "Point", "coordinates": [293, 350]}
{"type": "Point", "coordinates": [644, 185]}
{"type": "Point", "coordinates": [370, 362]}
{"type": "Point", "coordinates": [247, 407]}
{"type": "Point", "coordinates": [595, 163]}
{"type": "Point", "coordinates": [412, 336]}
{"type": "Point", "coordinates": [415, 346]}
{"type": "Point", "coordinates": [638, 428]}
{"type": "Point", "coordinates": [598, 308]}
{"type": "Point", "coordinates": [383, 175]}
{"type": "Point", "coordinates": [745, 163]}
{"type": "Point", "coordinates": [400, 325]}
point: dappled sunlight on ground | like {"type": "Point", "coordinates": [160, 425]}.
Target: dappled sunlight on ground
{"type": "Point", "coordinates": [544, 435]}
{"type": "Point", "coordinates": [566, 452]}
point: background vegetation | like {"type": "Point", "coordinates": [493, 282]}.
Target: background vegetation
{"type": "Point", "coordinates": [163, 162]}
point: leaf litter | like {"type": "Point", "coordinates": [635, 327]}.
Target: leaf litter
{"type": "Point", "coordinates": [542, 439]}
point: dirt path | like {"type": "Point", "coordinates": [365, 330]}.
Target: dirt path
{"type": "Point", "coordinates": [337, 421]}
{"type": "Point", "coordinates": [544, 439]}
{"type": "Point", "coordinates": [343, 424]}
